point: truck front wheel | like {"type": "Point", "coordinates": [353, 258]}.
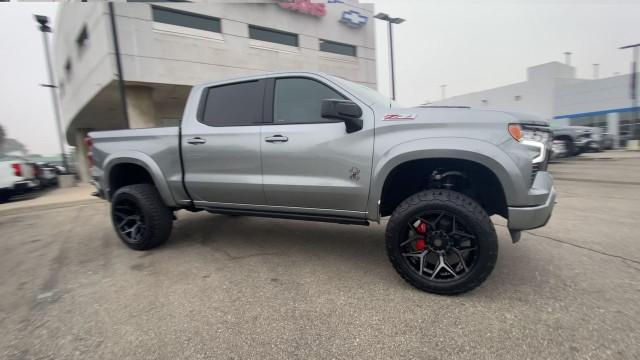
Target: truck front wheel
{"type": "Point", "coordinates": [441, 241]}
{"type": "Point", "coordinates": [139, 216]}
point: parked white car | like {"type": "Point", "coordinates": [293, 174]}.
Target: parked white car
{"type": "Point", "coordinates": [17, 176]}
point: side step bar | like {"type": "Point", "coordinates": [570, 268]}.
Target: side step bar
{"type": "Point", "coordinates": [290, 216]}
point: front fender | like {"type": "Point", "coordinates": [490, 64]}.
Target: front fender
{"type": "Point", "coordinates": [144, 160]}
{"type": "Point", "coordinates": [478, 151]}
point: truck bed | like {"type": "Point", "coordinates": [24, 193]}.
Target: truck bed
{"type": "Point", "coordinates": [161, 145]}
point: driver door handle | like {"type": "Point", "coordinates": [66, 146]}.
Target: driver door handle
{"type": "Point", "coordinates": [276, 139]}
{"type": "Point", "coordinates": [196, 140]}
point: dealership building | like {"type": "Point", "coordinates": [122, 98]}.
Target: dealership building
{"type": "Point", "coordinates": [553, 92]}
{"type": "Point", "coordinates": [132, 64]}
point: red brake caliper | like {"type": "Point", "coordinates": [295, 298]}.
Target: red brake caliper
{"type": "Point", "coordinates": [422, 230]}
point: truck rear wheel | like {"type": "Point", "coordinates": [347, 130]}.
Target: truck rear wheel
{"type": "Point", "coordinates": [140, 218]}
{"type": "Point", "coordinates": [442, 242]}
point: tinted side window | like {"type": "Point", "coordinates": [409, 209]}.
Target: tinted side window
{"type": "Point", "coordinates": [234, 105]}
{"type": "Point", "coordinates": [298, 100]}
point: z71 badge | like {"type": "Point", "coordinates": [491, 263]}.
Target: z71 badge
{"type": "Point", "coordinates": [399, 117]}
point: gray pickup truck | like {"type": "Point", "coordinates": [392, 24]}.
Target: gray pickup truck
{"type": "Point", "coordinates": [310, 146]}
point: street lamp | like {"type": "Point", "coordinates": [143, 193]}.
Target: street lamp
{"type": "Point", "coordinates": [634, 87]}
{"type": "Point", "coordinates": [391, 20]}
{"type": "Point", "coordinates": [443, 91]}
{"type": "Point", "coordinates": [45, 28]}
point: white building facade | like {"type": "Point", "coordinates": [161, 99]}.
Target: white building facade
{"type": "Point", "coordinates": [164, 48]}
{"type": "Point", "coordinates": [553, 92]}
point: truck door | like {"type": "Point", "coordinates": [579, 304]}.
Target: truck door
{"type": "Point", "coordinates": [310, 162]}
{"type": "Point", "coordinates": [221, 147]}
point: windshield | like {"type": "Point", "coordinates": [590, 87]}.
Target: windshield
{"type": "Point", "coordinates": [366, 94]}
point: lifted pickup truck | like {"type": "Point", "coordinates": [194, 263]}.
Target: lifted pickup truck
{"type": "Point", "coordinates": [310, 146]}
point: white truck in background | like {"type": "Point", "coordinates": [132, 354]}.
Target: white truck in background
{"type": "Point", "coordinates": [17, 176]}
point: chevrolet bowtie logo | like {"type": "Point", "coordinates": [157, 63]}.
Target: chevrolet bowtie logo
{"type": "Point", "coordinates": [353, 18]}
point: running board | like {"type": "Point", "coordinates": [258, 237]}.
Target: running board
{"type": "Point", "coordinates": [289, 216]}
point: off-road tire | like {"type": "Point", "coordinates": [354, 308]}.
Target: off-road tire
{"type": "Point", "coordinates": [158, 218]}
{"type": "Point", "coordinates": [468, 210]}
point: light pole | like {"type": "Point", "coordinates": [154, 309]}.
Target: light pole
{"type": "Point", "coordinates": [634, 88]}
{"type": "Point", "coordinates": [45, 28]}
{"type": "Point", "coordinates": [443, 91]}
{"type": "Point", "coordinates": [391, 20]}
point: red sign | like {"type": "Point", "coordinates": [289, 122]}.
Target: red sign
{"type": "Point", "coordinates": [305, 7]}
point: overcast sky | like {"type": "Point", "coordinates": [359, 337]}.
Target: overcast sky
{"type": "Point", "coordinates": [470, 45]}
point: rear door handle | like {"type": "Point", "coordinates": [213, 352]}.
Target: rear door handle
{"type": "Point", "coordinates": [276, 139]}
{"type": "Point", "coordinates": [196, 140]}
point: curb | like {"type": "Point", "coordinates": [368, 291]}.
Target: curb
{"type": "Point", "coordinates": [60, 205]}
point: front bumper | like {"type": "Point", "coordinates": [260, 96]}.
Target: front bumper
{"type": "Point", "coordinates": [531, 217]}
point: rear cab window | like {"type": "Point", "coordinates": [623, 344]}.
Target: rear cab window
{"type": "Point", "coordinates": [238, 104]}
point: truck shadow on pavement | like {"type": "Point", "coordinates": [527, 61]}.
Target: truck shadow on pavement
{"type": "Point", "coordinates": [355, 251]}
{"type": "Point", "coordinates": [240, 237]}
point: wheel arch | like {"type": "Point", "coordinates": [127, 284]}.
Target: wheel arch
{"type": "Point", "coordinates": [134, 167]}
{"type": "Point", "coordinates": [492, 160]}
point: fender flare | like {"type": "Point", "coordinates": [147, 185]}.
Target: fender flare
{"type": "Point", "coordinates": [145, 161]}
{"type": "Point", "coordinates": [477, 151]}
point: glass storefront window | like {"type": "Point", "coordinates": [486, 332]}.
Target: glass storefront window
{"type": "Point", "coordinates": [599, 121]}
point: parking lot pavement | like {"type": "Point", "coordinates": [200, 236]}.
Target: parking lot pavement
{"type": "Point", "coordinates": [49, 198]}
{"type": "Point", "coordinates": [240, 287]}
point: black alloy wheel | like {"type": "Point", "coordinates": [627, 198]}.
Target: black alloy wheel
{"type": "Point", "coordinates": [438, 246]}
{"type": "Point", "coordinates": [140, 217]}
{"type": "Point", "coordinates": [441, 241]}
{"type": "Point", "coordinates": [129, 220]}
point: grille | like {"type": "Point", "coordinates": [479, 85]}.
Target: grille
{"type": "Point", "coordinates": [542, 166]}
{"type": "Point", "coordinates": [534, 171]}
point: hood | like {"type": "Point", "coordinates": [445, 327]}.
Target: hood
{"type": "Point", "coordinates": [526, 118]}
{"type": "Point", "coordinates": [469, 114]}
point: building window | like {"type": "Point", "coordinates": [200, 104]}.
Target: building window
{"type": "Point", "coordinates": [337, 48]}
{"type": "Point", "coordinates": [485, 102]}
{"type": "Point", "coordinates": [234, 105]}
{"type": "Point", "coordinates": [599, 121]}
{"type": "Point", "coordinates": [186, 19]}
{"type": "Point", "coordinates": [517, 97]}
{"type": "Point", "coordinates": [626, 126]}
{"type": "Point", "coordinates": [299, 101]}
{"type": "Point", "coordinates": [274, 36]}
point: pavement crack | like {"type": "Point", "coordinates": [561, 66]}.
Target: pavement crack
{"type": "Point", "coordinates": [586, 248]}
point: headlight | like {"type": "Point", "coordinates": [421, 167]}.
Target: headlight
{"type": "Point", "coordinates": [535, 135]}
{"type": "Point", "coordinates": [533, 138]}
{"type": "Point", "coordinates": [520, 133]}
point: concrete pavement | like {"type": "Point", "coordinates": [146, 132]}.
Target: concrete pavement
{"type": "Point", "coordinates": [241, 287]}
{"type": "Point", "coordinates": [50, 199]}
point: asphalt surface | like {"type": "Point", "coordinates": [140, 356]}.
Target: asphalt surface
{"type": "Point", "coordinates": [240, 287]}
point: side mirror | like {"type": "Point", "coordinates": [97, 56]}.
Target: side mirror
{"type": "Point", "coordinates": [344, 110]}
